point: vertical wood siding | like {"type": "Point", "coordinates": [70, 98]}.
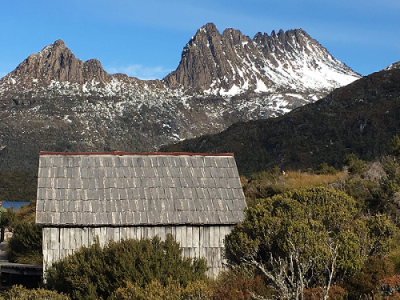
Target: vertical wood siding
{"type": "Point", "coordinates": [196, 241]}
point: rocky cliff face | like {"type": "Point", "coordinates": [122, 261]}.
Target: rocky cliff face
{"type": "Point", "coordinates": [54, 62]}
{"type": "Point", "coordinates": [53, 101]}
{"type": "Point", "coordinates": [393, 66]}
{"type": "Point", "coordinates": [230, 63]}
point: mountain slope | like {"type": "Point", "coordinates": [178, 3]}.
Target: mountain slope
{"type": "Point", "coordinates": [359, 118]}
{"type": "Point", "coordinates": [54, 101]}
{"type": "Point", "coordinates": [231, 62]}
{"type": "Point", "coordinates": [215, 64]}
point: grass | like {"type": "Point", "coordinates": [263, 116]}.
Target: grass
{"type": "Point", "coordinates": [296, 180]}
{"type": "Point", "coordinates": [267, 184]}
{"type": "Point", "coordinates": [26, 213]}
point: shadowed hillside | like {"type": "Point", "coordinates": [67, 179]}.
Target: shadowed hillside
{"type": "Point", "coordinates": [360, 118]}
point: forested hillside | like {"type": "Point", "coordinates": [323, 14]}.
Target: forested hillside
{"type": "Point", "coordinates": [360, 118]}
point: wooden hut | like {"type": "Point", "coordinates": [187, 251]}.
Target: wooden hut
{"type": "Point", "coordinates": [197, 198]}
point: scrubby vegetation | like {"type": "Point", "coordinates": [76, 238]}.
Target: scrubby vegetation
{"type": "Point", "coordinates": [17, 186]}
{"type": "Point", "coordinates": [18, 292]}
{"type": "Point", "coordinates": [25, 245]}
{"type": "Point", "coordinates": [308, 234]}
{"type": "Point", "coordinates": [306, 238]}
{"type": "Point", "coordinates": [173, 290]}
{"type": "Point", "coordinates": [96, 272]}
{"type": "Point", "coordinates": [303, 244]}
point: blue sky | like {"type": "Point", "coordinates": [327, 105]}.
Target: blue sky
{"type": "Point", "coordinates": [145, 38]}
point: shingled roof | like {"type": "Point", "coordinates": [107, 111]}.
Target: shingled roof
{"type": "Point", "coordinates": [115, 189]}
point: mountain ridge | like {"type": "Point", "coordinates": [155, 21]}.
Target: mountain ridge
{"type": "Point", "coordinates": [234, 59]}
{"type": "Point", "coordinates": [227, 64]}
{"type": "Point", "coordinates": [54, 101]}
{"type": "Point", "coordinates": [359, 118]}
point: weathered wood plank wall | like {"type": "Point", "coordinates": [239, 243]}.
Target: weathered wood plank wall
{"type": "Point", "coordinates": [196, 241]}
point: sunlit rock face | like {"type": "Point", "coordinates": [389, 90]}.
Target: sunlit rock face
{"type": "Point", "coordinates": [55, 101]}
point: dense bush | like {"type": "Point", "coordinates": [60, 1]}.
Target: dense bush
{"type": "Point", "coordinates": [273, 182]}
{"type": "Point", "coordinates": [366, 281]}
{"type": "Point", "coordinates": [265, 184]}
{"type": "Point", "coordinates": [355, 165]}
{"type": "Point", "coordinates": [7, 217]}
{"type": "Point", "coordinates": [335, 293]}
{"type": "Point", "coordinates": [390, 287]}
{"type": "Point", "coordinates": [18, 292]}
{"type": "Point", "coordinates": [95, 272]}
{"type": "Point", "coordinates": [325, 169]}
{"type": "Point", "coordinates": [240, 284]}
{"type": "Point", "coordinates": [395, 146]}
{"type": "Point", "coordinates": [314, 231]}
{"type": "Point", "coordinates": [26, 213]}
{"type": "Point", "coordinates": [17, 186]}
{"type": "Point", "coordinates": [196, 290]}
{"type": "Point", "coordinates": [25, 246]}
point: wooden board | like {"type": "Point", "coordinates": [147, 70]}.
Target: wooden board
{"type": "Point", "coordinates": [195, 241]}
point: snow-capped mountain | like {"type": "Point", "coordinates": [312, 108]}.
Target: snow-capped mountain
{"type": "Point", "coordinates": [54, 101]}
{"type": "Point", "coordinates": [226, 64]}
{"type": "Point", "coordinates": [231, 63]}
{"type": "Point", "coordinates": [393, 66]}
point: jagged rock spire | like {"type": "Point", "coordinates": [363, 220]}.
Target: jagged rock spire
{"type": "Point", "coordinates": [56, 62]}
{"type": "Point", "coordinates": [290, 59]}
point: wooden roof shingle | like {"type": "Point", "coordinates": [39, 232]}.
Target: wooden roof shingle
{"type": "Point", "coordinates": [101, 189]}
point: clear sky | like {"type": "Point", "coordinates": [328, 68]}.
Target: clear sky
{"type": "Point", "coordinates": [145, 38]}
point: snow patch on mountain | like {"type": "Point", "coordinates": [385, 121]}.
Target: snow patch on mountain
{"type": "Point", "coordinates": [222, 79]}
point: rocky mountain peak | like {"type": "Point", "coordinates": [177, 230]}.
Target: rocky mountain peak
{"type": "Point", "coordinates": [231, 63]}
{"type": "Point", "coordinates": [59, 43]}
{"type": "Point", "coordinates": [210, 29]}
{"type": "Point", "coordinates": [234, 36]}
{"type": "Point", "coordinates": [55, 62]}
{"type": "Point", "coordinates": [393, 66]}
{"type": "Point", "coordinates": [92, 69]}
{"type": "Point", "coordinates": [207, 58]}
{"type": "Point", "coordinates": [56, 102]}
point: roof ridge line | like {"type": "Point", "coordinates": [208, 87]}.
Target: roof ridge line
{"type": "Point", "coordinates": [121, 153]}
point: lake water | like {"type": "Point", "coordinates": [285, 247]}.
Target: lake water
{"type": "Point", "coordinates": [14, 204]}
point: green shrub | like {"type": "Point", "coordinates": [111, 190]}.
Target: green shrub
{"type": "Point", "coordinates": [26, 213]}
{"type": "Point", "coordinates": [335, 293]}
{"type": "Point", "coordinates": [196, 290]}
{"type": "Point", "coordinates": [7, 217]}
{"type": "Point", "coordinates": [241, 284]}
{"type": "Point", "coordinates": [309, 230]}
{"type": "Point", "coordinates": [17, 186]}
{"type": "Point", "coordinates": [367, 279]}
{"type": "Point", "coordinates": [265, 184]}
{"type": "Point", "coordinates": [18, 292]}
{"type": "Point", "coordinates": [25, 246]}
{"type": "Point", "coordinates": [94, 272]}
{"type": "Point", "coordinates": [356, 165]}
{"type": "Point", "coordinates": [395, 146]}
{"type": "Point", "coordinates": [324, 169]}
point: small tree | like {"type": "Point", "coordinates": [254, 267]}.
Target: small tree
{"type": "Point", "coordinates": [306, 238]}
{"type": "Point", "coordinates": [324, 169]}
{"type": "Point", "coordinates": [356, 165]}
{"type": "Point", "coordinates": [25, 246]}
{"type": "Point", "coordinates": [7, 217]}
{"type": "Point", "coordinates": [94, 272]}
{"type": "Point", "coordinates": [395, 146]}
